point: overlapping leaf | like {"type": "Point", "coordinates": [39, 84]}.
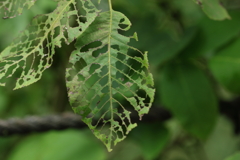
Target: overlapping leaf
{"type": "Point", "coordinates": [12, 8]}
{"type": "Point", "coordinates": [31, 53]}
{"type": "Point", "coordinates": [103, 73]}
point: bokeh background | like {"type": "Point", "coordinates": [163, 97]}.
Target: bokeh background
{"type": "Point", "coordinates": [195, 61]}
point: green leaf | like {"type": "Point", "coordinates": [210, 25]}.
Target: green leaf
{"type": "Point", "coordinates": [164, 46]}
{"type": "Point", "coordinates": [127, 150]}
{"type": "Point", "coordinates": [32, 52]}
{"type": "Point", "coordinates": [69, 144]}
{"type": "Point", "coordinates": [102, 73]}
{"type": "Point", "coordinates": [212, 35]}
{"type": "Point", "coordinates": [224, 128]}
{"type": "Point", "coordinates": [151, 137]}
{"type": "Point", "coordinates": [12, 8]}
{"type": "Point", "coordinates": [160, 44]}
{"type": "Point", "coordinates": [236, 156]}
{"type": "Point", "coordinates": [225, 67]}
{"type": "Point", "coordinates": [213, 9]}
{"type": "Point", "coordinates": [187, 93]}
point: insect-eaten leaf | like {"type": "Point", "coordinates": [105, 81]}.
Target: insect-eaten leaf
{"type": "Point", "coordinates": [32, 52]}
{"type": "Point", "coordinates": [106, 77]}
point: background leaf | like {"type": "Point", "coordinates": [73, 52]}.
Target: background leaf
{"type": "Point", "coordinates": [225, 67]}
{"type": "Point", "coordinates": [213, 9]}
{"type": "Point", "coordinates": [212, 35]}
{"type": "Point", "coordinates": [69, 144]}
{"type": "Point", "coordinates": [234, 157]}
{"type": "Point", "coordinates": [152, 146]}
{"type": "Point", "coordinates": [12, 8]}
{"type": "Point", "coordinates": [222, 142]}
{"type": "Point", "coordinates": [187, 93]}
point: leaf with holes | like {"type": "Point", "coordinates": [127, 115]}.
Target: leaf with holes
{"type": "Point", "coordinates": [12, 8]}
{"type": "Point", "coordinates": [106, 76]}
{"type": "Point", "coordinates": [32, 52]}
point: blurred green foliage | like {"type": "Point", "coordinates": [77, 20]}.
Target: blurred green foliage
{"type": "Point", "coordinates": [194, 60]}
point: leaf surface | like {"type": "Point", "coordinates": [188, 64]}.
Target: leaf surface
{"type": "Point", "coordinates": [32, 52]}
{"type": "Point", "coordinates": [103, 73]}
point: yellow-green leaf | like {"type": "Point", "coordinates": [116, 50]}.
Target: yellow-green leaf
{"type": "Point", "coordinates": [104, 72]}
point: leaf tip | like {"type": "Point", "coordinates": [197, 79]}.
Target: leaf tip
{"type": "Point", "coordinates": [135, 36]}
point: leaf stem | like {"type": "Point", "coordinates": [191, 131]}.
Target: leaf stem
{"type": "Point", "coordinates": [110, 5]}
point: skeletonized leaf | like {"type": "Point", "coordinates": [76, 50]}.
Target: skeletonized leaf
{"type": "Point", "coordinates": [31, 53]}
{"type": "Point", "coordinates": [103, 73]}
{"type": "Point", "coordinates": [12, 8]}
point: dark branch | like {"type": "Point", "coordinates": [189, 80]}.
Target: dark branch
{"type": "Point", "coordinates": [61, 121]}
{"type": "Point", "coordinates": [71, 120]}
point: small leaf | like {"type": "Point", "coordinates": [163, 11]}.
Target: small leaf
{"type": "Point", "coordinates": [12, 8]}
{"type": "Point", "coordinates": [187, 93]}
{"type": "Point", "coordinates": [32, 52]}
{"type": "Point", "coordinates": [213, 9]}
{"type": "Point", "coordinates": [225, 67]}
{"type": "Point", "coordinates": [102, 73]}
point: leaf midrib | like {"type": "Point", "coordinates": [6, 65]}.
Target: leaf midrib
{"type": "Point", "coordinates": [109, 69]}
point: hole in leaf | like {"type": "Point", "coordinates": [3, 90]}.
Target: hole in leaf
{"type": "Point", "coordinates": [32, 36]}
{"type": "Point", "coordinates": [83, 19]}
{"type": "Point", "coordinates": [33, 28]}
{"type": "Point", "coordinates": [92, 80]}
{"type": "Point", "coordinates": [115, 47]}
{"type": "Point", "coordinates": [99, 51]}
{"type": "Point", "coordinates": [89, 46]}
{"type": "Point", "coordinates": [123, 26]}
{"type": "Point", "coordinates": [90, 94]}
{"type": "Point", "coordinates": [103, 81]}
{"type": "Point", "coordinates": [38, 76]}
{"type": "Point", "coordinates": [80, 64]}
{"type": "Point", "coordinates": [104, 71]}
{"type": "Point", "coordinates": [121, 56]}
{"type": "Point", "coordinates": [93, 68]}
{"type": "Point", "coordinates": [21, 81]}
{"type": "Point", "coordinates": [81, 77]}
{"type": "Point", "coordinates": [105, 89]}
{"type": "Point", "coordinates": [116, 85]}
{"type": "Point", "coordinates": [41, 33]}
{"type": "Point", "coordinates": [120, 65]}
{"type": "Point", "coordinates": [72, 21]}
{"type": "Point", "coordinates": [57, 31]}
